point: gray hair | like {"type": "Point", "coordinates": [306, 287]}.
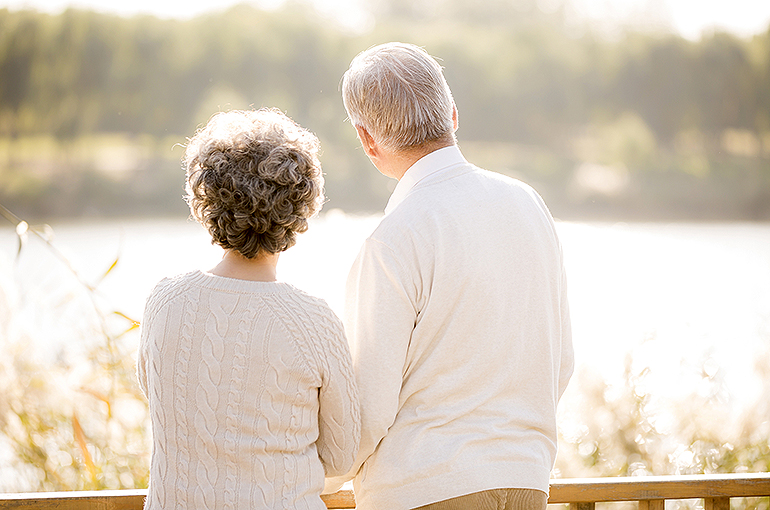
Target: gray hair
{"type": "Point", "coordinates": [398, 93]}
{"type": "Point", "coordinates": [253, 180]}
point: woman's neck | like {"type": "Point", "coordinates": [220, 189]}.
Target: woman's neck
{"type": "Point", "coordinates": [261, 268]}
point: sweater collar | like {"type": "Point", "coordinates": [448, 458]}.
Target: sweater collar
{"type": "Point", "coordinates": [429, 165]}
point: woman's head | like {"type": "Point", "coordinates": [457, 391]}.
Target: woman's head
{"type": "Point", "coordinates": [253, 180]}
{"type": "Point", "coordinates": [397, 92]}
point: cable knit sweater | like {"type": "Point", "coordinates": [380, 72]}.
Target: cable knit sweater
{"type": "Point", "coordinates": [251, 395]}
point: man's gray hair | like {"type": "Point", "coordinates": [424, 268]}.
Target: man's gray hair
{"type": "Point", "coordinates": [398, 93]}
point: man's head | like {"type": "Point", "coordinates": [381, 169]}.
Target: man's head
{"type": "Point", "coordinates": [398, 94]}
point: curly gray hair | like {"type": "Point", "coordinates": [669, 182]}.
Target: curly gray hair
{"type": "Point", "coordinates": [253, 180]}
{"type": "Point", "coordinates": [397, 92]}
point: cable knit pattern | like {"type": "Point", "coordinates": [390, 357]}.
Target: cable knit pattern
{"type": "Point", "coordinates": [207, 400]}
{"type": "Point", "coordinates": [159, 421]}
{"type": "Point", "coordinates": [301, 308]}
{"type": "Point", "coordinates": [149, 366]}
{"type": "Point", "coordinates": [240, 361]}
{"type": "Point", "coordinates": [190, 310]}
{"type": "Point", "coordinates": [251, 394]}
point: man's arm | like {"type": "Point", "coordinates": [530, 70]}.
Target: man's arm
{"type": "Point", "coordinates": [379, 318]}
{"type": "Point", "coordinates": [567, 365]}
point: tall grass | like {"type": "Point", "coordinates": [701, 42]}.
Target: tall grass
{"type": "Point", "coordinates": [74, 419]}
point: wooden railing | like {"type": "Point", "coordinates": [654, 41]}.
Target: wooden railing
{"type": "Point", "coordinates": [580, 494]}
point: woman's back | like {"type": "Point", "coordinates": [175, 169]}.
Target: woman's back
{"type": "Point", "coordinates": [249, 385]}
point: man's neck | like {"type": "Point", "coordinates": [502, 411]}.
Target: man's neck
{"type": "Point", "coordinates": [400, 162]}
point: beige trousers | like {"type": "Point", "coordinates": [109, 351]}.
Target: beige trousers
{"type": "Point", "coordinates": [495, 499]}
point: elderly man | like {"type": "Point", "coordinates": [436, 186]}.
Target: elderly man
{"type": "Point", "coordinates": [456, 309]}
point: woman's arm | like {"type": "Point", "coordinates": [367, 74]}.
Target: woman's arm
{"type": "Point", "coordinates": [339, 421]}
{"type": "Point", "coordinates": [141, 356]}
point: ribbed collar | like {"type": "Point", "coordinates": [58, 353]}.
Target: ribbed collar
{"type": "Point", "coordinates": [234, 285]}
{"type": "Point", "coordinates": [427, 166]}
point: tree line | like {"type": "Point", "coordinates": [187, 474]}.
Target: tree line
{"type": "Point", "coordinates": [682, 128]}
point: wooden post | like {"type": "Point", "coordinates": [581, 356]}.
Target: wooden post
{"type": "Point", "coordinates": [341, 499]}
{"type": "Point", "coordinates": [716, 504]}
{"type": "Point", "coordinates": [652, 504]}
{"type": "Point", "coordinates": [582, 506]}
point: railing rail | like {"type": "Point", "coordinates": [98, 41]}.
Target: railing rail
{"type": "Point", "coordinates": [580, 493]}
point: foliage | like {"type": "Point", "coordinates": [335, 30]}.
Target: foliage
{"type": "Point", "coordinates": [658, 107]}
{"type": "Point", "coordinates": [627, 429]}
{"type": "Point", "coordinates": [75, 419]}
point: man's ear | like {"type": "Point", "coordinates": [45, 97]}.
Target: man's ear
{"type": "Point", "coordinates": [455, 118]}
{"type": "Point", "coordinates": [367, 141]}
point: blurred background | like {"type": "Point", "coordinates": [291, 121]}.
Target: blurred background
{"type": "Point", "coordinates": [644, 124]}
{"type": "Point", "coordinates": [603, 106]}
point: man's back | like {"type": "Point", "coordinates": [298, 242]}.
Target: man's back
{"type": "Point", "coordinates": [459, 327]}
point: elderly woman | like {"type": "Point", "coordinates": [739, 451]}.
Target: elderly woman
{"type": "Point", "coordinates": [249, 382]}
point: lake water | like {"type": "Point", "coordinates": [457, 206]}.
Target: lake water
{"type": "Point", "coordinates": [683, 299]}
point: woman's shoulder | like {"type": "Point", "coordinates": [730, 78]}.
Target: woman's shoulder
{"type": "Point", "coordinates": [297, 308]}
{"type": "Point", "coordinates": [169, 288]}
{"type": "Point", "coordinates": [178, 281]}
{"type": "Point", "coordinates": [308, 303]}
{"type": "Point", "coordinates": [317, 331]}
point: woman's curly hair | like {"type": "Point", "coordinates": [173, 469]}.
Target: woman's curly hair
{"type": "Point", "coordinates": [253, 180]}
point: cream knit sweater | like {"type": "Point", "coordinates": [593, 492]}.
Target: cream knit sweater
{"type": "Point", "coordinates": [251, 395]}
{"type": "Point", "coordinates": [459, 328]}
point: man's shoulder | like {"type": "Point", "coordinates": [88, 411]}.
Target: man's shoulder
{"type": "Point", "coordinates": [511, 186]}
{"type": "Point", "coordinates": [501, 179]}
{"type": "Point", "coordinates": [455, 189]}
{"type": "Point", "coordinates": [454, 193]}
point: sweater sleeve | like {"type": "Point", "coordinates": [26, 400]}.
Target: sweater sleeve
{"type": "Point", "coordinates": [339, 420]}
{"type": "Point", "coordinates": [152, 306]}
{"type": "Point", "coordinates": [567, 364]}
{"type": "Point", "coordinates": [141, 355]}
{"type": "Point", "coordinates": [379, 319]}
